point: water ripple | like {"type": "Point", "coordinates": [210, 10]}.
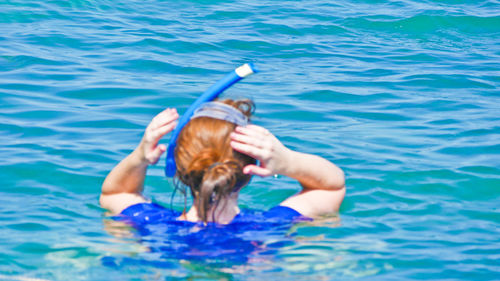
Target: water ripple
{"type": "Point", "coordinates": [403, 95]}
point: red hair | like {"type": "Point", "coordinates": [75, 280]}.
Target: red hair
{"type": "Point", "coordinates": [207, 163]}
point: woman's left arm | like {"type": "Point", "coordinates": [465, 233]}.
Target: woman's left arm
{"type": "Point", "coordinates": [323, 183]}
{"type": "Point", "coordinates": [124, 184]}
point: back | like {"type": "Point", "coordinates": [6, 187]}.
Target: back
{"type": "Point", "coordinates": [246, 236]}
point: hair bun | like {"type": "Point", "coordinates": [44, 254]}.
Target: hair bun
{"type": "Point", "coordinates": [219, 180]}
{"type": "Point", "coordinates": [207, 163]}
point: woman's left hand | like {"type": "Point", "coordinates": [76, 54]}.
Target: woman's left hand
{"type": "Point", "coordinates": [162, 124]}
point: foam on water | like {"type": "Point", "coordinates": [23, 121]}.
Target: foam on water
{"type": "Point", "coordinates": [403, 95]}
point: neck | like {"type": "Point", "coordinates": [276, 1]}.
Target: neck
{"type": "Point", "coordinates": [223, 213]}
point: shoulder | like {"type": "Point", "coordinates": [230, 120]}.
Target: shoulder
{"type": "Point", "coordinates": [116, 203]}
{"type": "Point", "coordinates": [277, 214]}
{"type": "Point", "coordinates": [316, 202]}
{"type": "Point", "coordinates": [285, 213]}
{"type": "Point", "coordinates": [142, 213]}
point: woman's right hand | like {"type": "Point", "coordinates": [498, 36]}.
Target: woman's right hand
{"type": "Point", "coordinates": [257, 142]}
{"type": "Point", "coordinates": [124, 184]}
{"type": "Point", "coordinates": [163, 123]}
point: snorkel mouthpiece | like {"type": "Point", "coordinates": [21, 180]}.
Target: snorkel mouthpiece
{"type": "Point", "coordinates": [209, 95]}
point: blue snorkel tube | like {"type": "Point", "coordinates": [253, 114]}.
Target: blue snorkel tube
{"type": "Point", "coordinates": [209, 95]}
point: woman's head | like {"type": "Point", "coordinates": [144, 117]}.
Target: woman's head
{"type": "Point", "coordinates": [207, 163]}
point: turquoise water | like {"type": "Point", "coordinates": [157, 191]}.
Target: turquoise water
{"type": "Point", "coordinates": [403, 95]}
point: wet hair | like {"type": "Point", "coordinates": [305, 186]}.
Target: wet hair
{"type": "Point", "coordinates": [207, 163]}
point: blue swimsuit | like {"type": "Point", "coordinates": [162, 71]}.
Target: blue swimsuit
{"type": "Point", "coordinates": [161, 231]}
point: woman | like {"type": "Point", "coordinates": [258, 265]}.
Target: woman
{"type": "Point", "coordinates": [216, 156]}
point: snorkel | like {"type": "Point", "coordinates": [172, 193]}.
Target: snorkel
{"type": "Point", "coordinates": [209, 95]}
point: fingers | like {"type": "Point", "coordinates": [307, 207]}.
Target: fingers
{"type": "Point", "coordinates": [157, 134]}
{"type": "Point", "coordinates": [156, 154]}
{"type": "Point", "coordinates": [253, 130]}
{"type": "Point", "coordinates": [252, 135]}
{"type": "Point", "coordinates": [163, 118]}
{"type": "Point", "coordinates": [247, 149]}
{"type": "Point", "coordinates": [256, 170]}
{"type": "Point", "coordinates": [245, 139]}
{"type": "Point", "coordinates": [260, 129]}
{"type": "Point", "coordinates": [252, 140]}
{"type": "Point", "coordinates": [161, 124]}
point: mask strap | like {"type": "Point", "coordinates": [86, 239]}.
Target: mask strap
{"type": "Point", "coordinates": [221, 111]}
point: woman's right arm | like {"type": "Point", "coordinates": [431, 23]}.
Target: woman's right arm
{"type": "Point", "coordinates": [323, 183]}
{"type": "Point", "coordinates": [123, 186]}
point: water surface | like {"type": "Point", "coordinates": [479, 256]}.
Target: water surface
{"type": "Point", "coordinates": [402, 95]}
